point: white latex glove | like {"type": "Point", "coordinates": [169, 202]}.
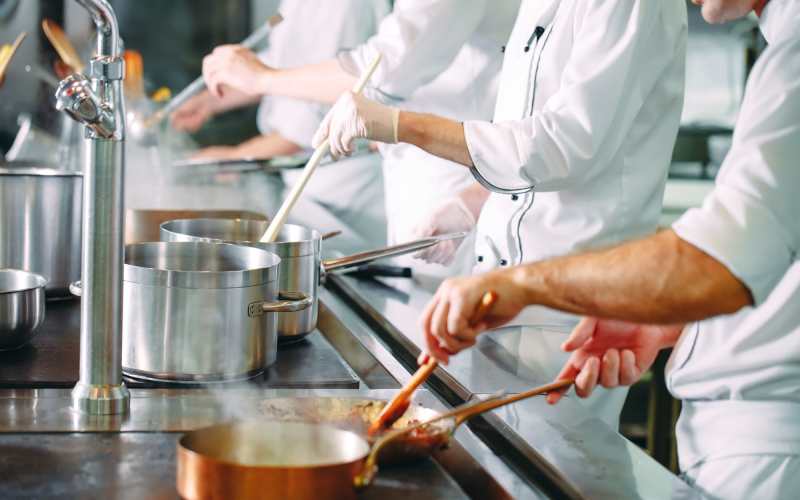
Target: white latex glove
{"type": "Point", "coordinates": [452, 216]}
{"type": "Point", "coordinates": [353, 117]}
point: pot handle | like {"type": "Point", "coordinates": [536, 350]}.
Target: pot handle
{"type": "Point", "coordinates": [76, 288]}
{"type": "Point", "coordinates": [287, 302]}
{"type": "Point", "coordinates": [391, 251]}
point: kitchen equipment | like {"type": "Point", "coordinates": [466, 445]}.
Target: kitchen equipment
{"type": "Point", "coordinates": [21, 307]}
{"type": "Point", "coordinates": [300, 251]}
{"type": "Point", "coordinates": [400, 403]}
{"type": "Point", "coordinates": [200, 312]}
{"type": "Point", "coordinates": [61, 42]}
{"type": "Point", "coordinates": [273, 231]}
{"type": "Point", "coordinates": [40, 222]}
{"type": "Point", "coordinates": [7, 53]}
{"type": "Point", "coordinates": [302, 460]}
{"type": "Point", "coordinates": [199, 84]}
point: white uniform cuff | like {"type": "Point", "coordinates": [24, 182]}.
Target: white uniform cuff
{"type": "Point", "coordinates": [741, 234]}
{"type": "Point", "coordinates": [489, 146]}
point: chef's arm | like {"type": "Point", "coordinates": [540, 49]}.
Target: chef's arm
{"type": "Point", "coordinates": [262, 146]}
{"type": "Point", "coordinates": [660, 279]}
{"type": "Point", "coordinates": [438, 136]}
{"type": "Point", "coordinates": [268, 146]}
{"type": "Point", "coordinates": [323, 82]}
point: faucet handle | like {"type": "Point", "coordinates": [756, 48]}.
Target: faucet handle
{"type": "Point", "coordinates": [76, 97]}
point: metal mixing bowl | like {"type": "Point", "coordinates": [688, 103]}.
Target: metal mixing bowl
{"type": "Point", "coordinates": [21, 307]}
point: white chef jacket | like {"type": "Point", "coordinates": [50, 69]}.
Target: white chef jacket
{"type": "Point", "coordinates": [314, 31]}
{"type": "Point", "coordinates": [587, 115]}
{"type": "Point", "coordinates": [739, 375]}
{"type": "Point", "coordinates": [442, 57]}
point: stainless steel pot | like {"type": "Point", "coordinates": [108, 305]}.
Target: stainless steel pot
{"type": "Point", "coordinates": [299, 248]}
{"type": "Point", "coordinates": [21, 307]}
{"type": "Point", "coordinates": [40, 223]}
{"type": "Point", "coordinates": [200, 312]}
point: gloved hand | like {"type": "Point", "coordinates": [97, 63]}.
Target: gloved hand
{"type": "Point", "coordinates": [452, 216]}
{"type": "Point", "coordinates": [352, 117]}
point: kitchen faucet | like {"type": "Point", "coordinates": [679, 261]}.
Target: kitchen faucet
{"type": "Point", "coordinates": [97, 102]}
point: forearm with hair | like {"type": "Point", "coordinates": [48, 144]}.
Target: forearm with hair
{"type": "Point", "coordinates": [323, 82]}
{"type": "Point", "coordinates": [661, 279]}
{"type": "Point", "coordinates": [268, 146]}
{"type": "Point", "coordinates": [231, 99]}
{"type": "Point", "coordinates": [438, 136]}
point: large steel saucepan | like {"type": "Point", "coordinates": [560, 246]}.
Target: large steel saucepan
{"type": "Point", "coordinates": [40, 222]}
{"type": "Point", "coordinates": [298, 247]}
{"type": "Point", "coordinates": [302, 460]}
{"type": "Point", "coordinates": [201, 312]}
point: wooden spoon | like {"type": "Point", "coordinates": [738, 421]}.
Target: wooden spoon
{"type": "Point", "coordinates": [402, 400]}
{"type": "Point", "coordinates": [274, 228]}
{"type": "Point", "coordinates": [66, 51]}
{"type": "Point", "coordinates": [7, 52]}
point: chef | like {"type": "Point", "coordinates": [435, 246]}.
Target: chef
{"type": "Point", "coordinates": [437, 55]}
{"type": "Point", "coordinates": [577, 155]}
{"type": "Point", "coordinates": [312, 31]}
{"type": "Point", "coordinates": [731, 265]}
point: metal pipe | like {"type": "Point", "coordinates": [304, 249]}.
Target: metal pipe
{"type": "Point", "coordinates": [98, 103]}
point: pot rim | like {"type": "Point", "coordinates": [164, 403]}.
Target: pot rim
{"type": "Point", "coordinates": [257, 274]}
{"type": "Point", "coordinates": [33, 171]}
{"type": "Point", "coordinates": [285, 249]}
{"type": "Point", "coordinates": [230, 463]}
{"type": "Point", "coordinates": [41, 281]}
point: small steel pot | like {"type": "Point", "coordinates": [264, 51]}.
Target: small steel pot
{"type": "Point", "coordinates": [21, 307]}
{"type": "Point", "coordinates": [40, 222]}
{"type": "Point", "coordinates": [201, 312]}
{"type": "Point", "coordinates": [299, 248]}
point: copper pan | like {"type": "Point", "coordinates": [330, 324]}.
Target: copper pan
{"type": "Point", "coordinates": [307, 460]}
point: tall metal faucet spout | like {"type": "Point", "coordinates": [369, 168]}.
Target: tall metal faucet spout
{"type": "Point", "coordinates": [106, 23]}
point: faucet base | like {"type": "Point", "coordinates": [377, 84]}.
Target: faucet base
{"type": "Point", "coordinates": [101, 399]}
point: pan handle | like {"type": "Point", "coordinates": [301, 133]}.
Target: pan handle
{"type": "Point", "coordinates": [287, 302]}
{"type": "Point", "coordinates": [390, 251]}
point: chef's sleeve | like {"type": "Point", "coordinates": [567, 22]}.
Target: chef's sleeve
{"type": "Point", "coordinates": [417, 42]}
{"type": "Point", "coordinates": [751, 220]}
{"type": "Point", "coordinates": [614, 63]}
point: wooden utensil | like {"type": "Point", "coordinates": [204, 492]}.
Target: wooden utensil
{"type": "Point", "coordinates": [400, 403]}
{"type": "Point", "coordinates": [322, 150]}
{"type": "Point", "coordinates": [64, 48]}
{"type": "Point", "coordinates": [7, 53]}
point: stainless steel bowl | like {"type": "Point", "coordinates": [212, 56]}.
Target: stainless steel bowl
{"type": "Point", "coordinates": [21, 307]}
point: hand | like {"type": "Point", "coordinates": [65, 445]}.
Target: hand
{"type": "Point", "coordinates": [217, 153]}
{"type": "Point", "coordinates": [353, 117]}
{"type": "Point", "coordinates": [611, 353]}
{"type": "Point", "coordinates": [447, 320]}
{"type": "Point", "coordinates": [452, 216]}
{"type": "Point", "coordinates": [235, 67]}
{"type": "Point", "coordinates": [194, 113]}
